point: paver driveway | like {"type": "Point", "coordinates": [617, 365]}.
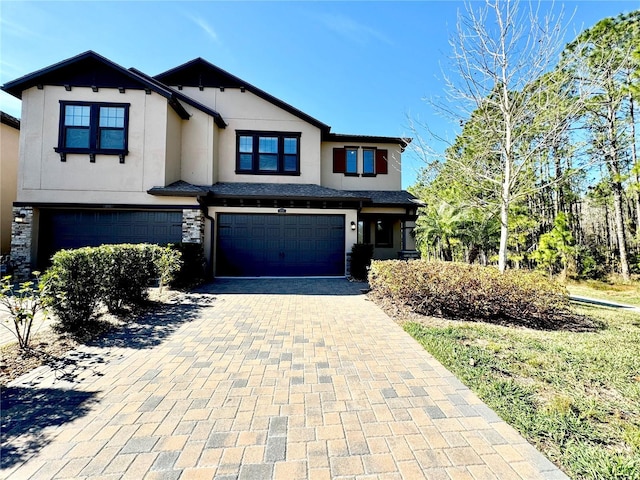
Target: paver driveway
{"type": "Point", "coordinates": [258, 379]}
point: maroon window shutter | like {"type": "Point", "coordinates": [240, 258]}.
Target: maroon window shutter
{"type": "Point", "coordinates": [339, 160]}
{"type": "Point", "coordinates": [381, 161]}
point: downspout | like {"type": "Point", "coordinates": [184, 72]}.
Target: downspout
{"type": "Point", "coordinates": [205, 211]}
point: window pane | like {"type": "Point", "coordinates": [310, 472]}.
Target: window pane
{"type": "Point", "coordinates": [246, 144]}
{"type": "Point", "coordinates": [268, 163]}
{"type": "Point", "coordinates": [112, 117]}
{"type": "Point", "coordinates": [368, 158]}
{"type": "Point", "coordinates": [77, 115]}
{"type": "Point", "coordinates": [111, 139]}
{"type": "Point", "coordinates": [291, 145]}
{"type": "Point", "coordinates": [384, 233]}
{"type": "Point", "coordinates": [290, 163]}
{"type": "Point", "coordinates": [352, 160]}
{"type": "Point", "coordinates": [77, 138]}
{"type": "Point", "coordinates": [268, 144]}
{"type": "Point", "coordinates": [246, 161]}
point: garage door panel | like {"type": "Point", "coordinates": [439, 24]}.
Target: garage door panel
{"type": "Point", "coordinates": [60, 229]}
{"type": "Point", "coordinates": [280, 245]}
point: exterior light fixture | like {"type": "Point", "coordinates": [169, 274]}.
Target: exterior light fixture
{"type": "Point", "coordinates": [20, 217]}
{"type": "Point", "coordinates": [353, 225]}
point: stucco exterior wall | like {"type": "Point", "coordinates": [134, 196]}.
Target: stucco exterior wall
{"type": "Point", "coordinates": [246, 111]}
{"type": "Point", "coordinates": [199, 148]}
{"type": "Point", "coordinates": [389, 181]}
{"type": "Point", "coordinates": [42, 177]}
{"type": "Point", "coordinates": [9, 140]}
{"type": "Point", "coordinates": [174, 146]}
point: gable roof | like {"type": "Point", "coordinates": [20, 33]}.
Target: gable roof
{"type": "Point", "coordinates": [201, 73]}
{"type": "Point", "coordinates": [90, 69]}
{"type": "Point", "coordinates": [184, 98]}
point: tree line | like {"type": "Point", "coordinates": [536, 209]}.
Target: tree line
{"type": "Point", "coordinates": [544, 172]}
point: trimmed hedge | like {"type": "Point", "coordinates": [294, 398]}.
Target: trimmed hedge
{"type": "Point", "coordinates": [472, 292]}
{"type": "Point", "coordinates": [115, 275]}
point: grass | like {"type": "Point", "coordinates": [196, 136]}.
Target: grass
{"type": "Point", "coordinates": [616, 292]}
{"type": "Point", "coordinates": [575, 395]}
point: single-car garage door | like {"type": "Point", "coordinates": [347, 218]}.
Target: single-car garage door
{"type": "Point", "coordinates": [254, 245]}
{"type": "Point", "coordinates": [89, 228]}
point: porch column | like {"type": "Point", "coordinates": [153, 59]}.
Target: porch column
{"type": "Point", "coordinates": [21, 238]}
{"type": "Point", "coordinates": [192, 226]}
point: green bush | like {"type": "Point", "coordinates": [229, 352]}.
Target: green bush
{"type": "Point", "coordinates": [129, 270]}
{"type": "Point", "coordinates": [361, 255]}
{"type": "Point", "coordinates": [472, 292]}
{"type": "Point", "coordinates": [75, 286]}
{"type": "Point", "coordinates": [116, 275]}
{"type": "Point", "coordinates": [192, 272]}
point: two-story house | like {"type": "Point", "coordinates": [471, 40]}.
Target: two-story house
{"type": "Point", "coordinates": [195, 154]}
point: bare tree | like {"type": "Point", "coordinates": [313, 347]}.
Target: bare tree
{"type": "Point", "coordinates": [500, 52]}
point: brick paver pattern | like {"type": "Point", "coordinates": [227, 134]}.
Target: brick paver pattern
{"type": "Point", "coordinates": [238, 385]}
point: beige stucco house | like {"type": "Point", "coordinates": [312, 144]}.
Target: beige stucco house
{"type": "Point", "coordinates": [195, 154]}
{"type": "Point", "coordinates": [9, 135]}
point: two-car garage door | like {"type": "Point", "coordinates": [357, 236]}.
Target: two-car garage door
{"type": "Point", "coordinates": [89, 228]}
{"type": "Point", "coordinates": [252, 245]}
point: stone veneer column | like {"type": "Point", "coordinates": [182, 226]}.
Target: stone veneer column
{"type": "Point", "coordinates": [21, 238]}
{"type": "Point", "coordinates": [192, 226]}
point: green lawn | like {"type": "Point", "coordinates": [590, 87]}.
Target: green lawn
{"type": "Point", "coordinates": [622, 293]}
{"type": "Point", "coordinates": [575, 395]}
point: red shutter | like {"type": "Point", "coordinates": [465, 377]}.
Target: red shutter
{"type": "Point", "coordinates": [381, 161]}
{"type": "Point", "coordinates": [339, 160]}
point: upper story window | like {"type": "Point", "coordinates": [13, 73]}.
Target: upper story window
{"type": "Point", "coordinates": [275, 153]}
{"type": "Point", "coordinates": [87, 127]}
{"type": "Point", "coordinates": [374, 161]}
{"type": "Point", "coordinates": [351, 166]}
{"type": "Point", "coordinates": [369, 161]}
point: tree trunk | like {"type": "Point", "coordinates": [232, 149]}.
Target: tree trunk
{"type": "Point", "coordinates": [504, 234]}
{"type": "Point", "coordinates": [634, 162]}
{"type": "Point", "coordinates": [616, 187]}
{"type": "Point", "coordinates": [619, 223]}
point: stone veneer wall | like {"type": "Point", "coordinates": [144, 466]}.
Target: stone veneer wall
{"type": "Point", "coordinates": [192, 226]}
{"type": "Point", "coordinates": [21, 235]}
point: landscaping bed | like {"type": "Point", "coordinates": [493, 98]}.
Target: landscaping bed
{"type": "Point", "coordinates": [572, 392]}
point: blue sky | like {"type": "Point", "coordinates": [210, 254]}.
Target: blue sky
{"type": "Point", "coordinates": [361, 67]}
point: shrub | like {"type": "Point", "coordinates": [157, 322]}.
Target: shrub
{"type": "Point", "coordinates": [472, 292]}
{"type": "Point", "coordinates": [192, 272]}
{"type": "Point", "coordinates": [116, 275]}
{"type": "Point", "coordinates": [130, 269]}
{"type": "Point", "coordinates": [361, 255]}
{"type": "Point", "coordinates": [75, 286]}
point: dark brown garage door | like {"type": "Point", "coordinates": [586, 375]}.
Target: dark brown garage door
{"type": "Point", "coordinates": [254, 245]}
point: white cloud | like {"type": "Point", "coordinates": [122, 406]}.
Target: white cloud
{"type": "Point", "coordinates": [351, 29]}
{"type": "Point", "coordinates": [205, 27]}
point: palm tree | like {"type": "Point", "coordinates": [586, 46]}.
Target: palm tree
{"type": "Point", "coordinates": [437, 226]}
